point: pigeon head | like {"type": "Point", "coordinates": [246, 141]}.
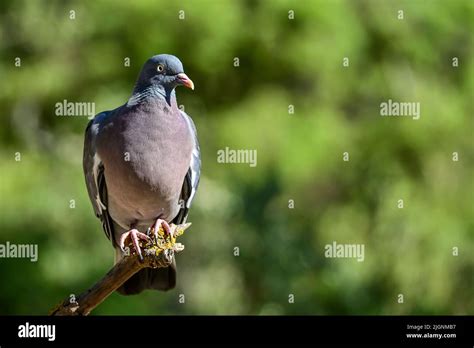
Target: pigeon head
{"type": "Point", "coordinates": [163, 73]}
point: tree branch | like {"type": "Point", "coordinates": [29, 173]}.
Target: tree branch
{"type": "Point", "coordinates": [157, 253]}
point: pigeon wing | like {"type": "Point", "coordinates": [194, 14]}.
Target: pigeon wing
{"type": "Point", "coordinates": [94, 175]}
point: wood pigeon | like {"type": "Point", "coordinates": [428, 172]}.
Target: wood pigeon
{"type": "Point", "coordinates": [142, 165]}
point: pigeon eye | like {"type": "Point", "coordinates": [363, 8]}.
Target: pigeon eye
{"type": "Point", "coordinates": [160, 67]}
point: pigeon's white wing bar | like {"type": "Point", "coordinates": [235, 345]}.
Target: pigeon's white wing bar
{"type": "Point", "coordinates": [94, 174]}
{"type": "Point", "coordinates": [95, 171]}
{"type": "Point", "coordinates": [195, 163]}
{"type": "Point", "coordinates": [191, 181]}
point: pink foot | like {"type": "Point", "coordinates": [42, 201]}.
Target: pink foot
{"type": "Point", "coordinates": [166, 228]}
{"type": "Point", "coordinates": [134, 235]}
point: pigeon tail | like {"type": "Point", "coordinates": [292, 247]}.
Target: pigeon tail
{"type": "Point", "coordinates": [158, 279]}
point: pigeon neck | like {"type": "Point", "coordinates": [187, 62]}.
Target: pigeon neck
{"type": "Point", "coordinates": [150, 93]}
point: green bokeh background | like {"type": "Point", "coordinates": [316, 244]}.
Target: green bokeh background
{"type": "Point", "coordinates": [408, 251]}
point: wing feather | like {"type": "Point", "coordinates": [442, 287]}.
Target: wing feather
{"type": "Point", "coordinates": [94, 175]}
{"type": "Point", "coordinates": [191, 180]}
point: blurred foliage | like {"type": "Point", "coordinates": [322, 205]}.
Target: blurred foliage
{"type": "Point", "coordinates": [407, 251]}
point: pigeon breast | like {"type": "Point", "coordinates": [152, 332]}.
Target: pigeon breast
{"type": "Point", "coordinates": [146, 150]}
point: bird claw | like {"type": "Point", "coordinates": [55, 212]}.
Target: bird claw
{"type": "Point", "coordinates": [134, 235]}
{"type": "Point", "coordinates": [161, 235]}
{"type": "Point", "coordinates": [166, 228]}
